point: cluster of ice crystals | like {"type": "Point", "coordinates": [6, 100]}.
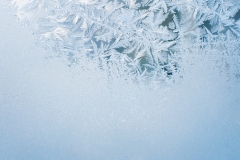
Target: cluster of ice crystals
{"type": "Point", "coordinates": [144, 40]}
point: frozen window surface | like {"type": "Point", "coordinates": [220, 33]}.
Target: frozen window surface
{"type": "Point", "coordinates": [51, 111]}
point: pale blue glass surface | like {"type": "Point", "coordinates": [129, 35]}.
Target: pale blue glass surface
{"type": "Point", "coordinates": [51, 111]}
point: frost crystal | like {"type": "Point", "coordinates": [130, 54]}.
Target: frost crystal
{"type": "Point", "coordinates": [142, 40]}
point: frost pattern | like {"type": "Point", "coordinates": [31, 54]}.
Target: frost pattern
{"type": "Point", "coordinates": [142, 40]}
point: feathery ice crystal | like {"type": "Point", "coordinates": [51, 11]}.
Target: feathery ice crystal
{"type": "Point", "coordinates": [140, 39]}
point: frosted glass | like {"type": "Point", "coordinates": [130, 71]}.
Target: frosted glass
{"type": "Point", "coordinates": [52, 110]}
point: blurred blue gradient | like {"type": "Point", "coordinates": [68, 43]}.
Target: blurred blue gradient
{"type": "Point", "coordinates": [49, 111]}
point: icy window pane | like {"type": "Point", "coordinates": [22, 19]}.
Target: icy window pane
{"type": "Point", "coordinates": [93, 109]}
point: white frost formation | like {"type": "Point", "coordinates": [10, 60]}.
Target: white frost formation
{"type": "Point", "coordinates": [138, 39]}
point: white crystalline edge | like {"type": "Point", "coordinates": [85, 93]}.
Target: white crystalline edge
{"type": "Point", "coordinates": [57, 24]}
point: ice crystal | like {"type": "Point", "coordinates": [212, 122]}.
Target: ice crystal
{"type": "Point", "coordinates": [142, 40]}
